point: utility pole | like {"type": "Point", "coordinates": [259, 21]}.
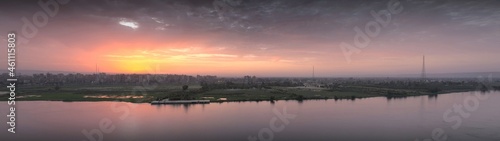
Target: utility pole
{"type": "Point", "coordinates": [423, 69]}
{"type": "Point", "coordinates": [313, 73]}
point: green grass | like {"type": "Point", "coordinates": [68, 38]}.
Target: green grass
{"type": "Point", "coordinates": [78, 93]}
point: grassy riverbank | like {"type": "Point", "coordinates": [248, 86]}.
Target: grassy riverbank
{"type": "Point", "coordinates": [141, 94]}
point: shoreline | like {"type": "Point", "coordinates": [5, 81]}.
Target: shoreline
{"type": "Point", "coordinates": [253, 100]}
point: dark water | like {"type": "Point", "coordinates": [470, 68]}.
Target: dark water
{"type": "Point", "coordinates": [322, 120]}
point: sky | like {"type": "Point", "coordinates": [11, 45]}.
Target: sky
{"type": "Point", "coordinates": [254, 37]}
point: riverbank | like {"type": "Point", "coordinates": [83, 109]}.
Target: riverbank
{"type": "Point", "coordinates": [137, 94]}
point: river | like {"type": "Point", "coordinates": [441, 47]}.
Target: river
{"type": "Point", "coordinates": [456, 116]}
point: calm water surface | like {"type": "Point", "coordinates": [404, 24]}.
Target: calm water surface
{"type": "Point", "coordinates": [321, 120]}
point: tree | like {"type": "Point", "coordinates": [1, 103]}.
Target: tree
{"type": "Point", "coordinates": [185, 87]}
{"type": "Point", "coordinates": [353, 97]}
{"type": "Point", "coordinates": [433, 90]}
{"type": "Point", "coordinates": [272, 98]}
{"type": "Point", "coordinates": [57, 87]}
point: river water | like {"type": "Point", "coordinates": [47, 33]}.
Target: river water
{"type": "Point", "coordinates": [456, 116]}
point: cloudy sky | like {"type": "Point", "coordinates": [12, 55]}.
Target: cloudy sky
{"type": "Point", "coordinates": [254, 37]}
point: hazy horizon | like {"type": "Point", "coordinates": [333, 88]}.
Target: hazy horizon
{"type": "Point", "coordinates": [401, 75]}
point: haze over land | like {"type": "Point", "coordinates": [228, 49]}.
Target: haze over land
{"type": "Point", "coordinates": [402, 75]}
{"type": "Point", "coordinates": [257, 37]}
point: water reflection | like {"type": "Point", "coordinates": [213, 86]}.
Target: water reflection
{"type": "Point", "coordinates": [395, 98]}
{"type": "Point", "coordinates": [186, 107]}
{"type": "Point", "coordinates": [432, 96]}
{"type": "Point", "coordinates": [402, 118]}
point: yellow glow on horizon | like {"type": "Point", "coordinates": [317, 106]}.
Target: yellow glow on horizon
{"type": "Point", "coordinates": [179, 58]}
{"type": "Point", "coordinates": [132, 66]}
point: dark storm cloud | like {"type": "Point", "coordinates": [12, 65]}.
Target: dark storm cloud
{"type": "Point", "coordinates": [313, 18]}
{"type": "Point", "coordinates": [269, 20]}
{"type": "Point", "coordinates": [262, 20]}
